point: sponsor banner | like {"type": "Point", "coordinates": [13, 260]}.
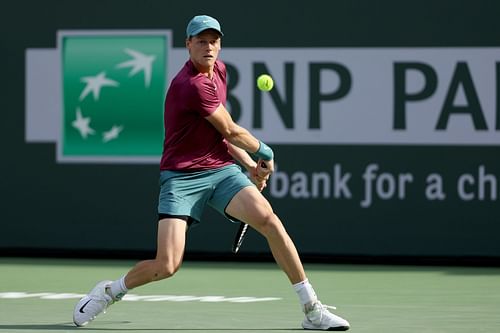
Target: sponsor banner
{"type": "Point", "coordinates": [369, 95]}
{"type": "Point", "coordinates": [112, 106]}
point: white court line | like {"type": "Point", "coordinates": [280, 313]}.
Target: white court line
{"type": "Point", "coordinates": [146, 298]}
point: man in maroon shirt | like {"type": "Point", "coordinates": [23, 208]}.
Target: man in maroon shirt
{"type": "Point", "coordinates": [198, 168]}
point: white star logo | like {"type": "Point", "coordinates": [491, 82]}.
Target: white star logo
{"type": "Point", "coordinates": [140, 62]}
{"type": "Point", "coordinates": [95, 83]}
{"type": "Point", "coordinates": [112, 133]}
{"type": "Point", "coordinates": [82, 124]}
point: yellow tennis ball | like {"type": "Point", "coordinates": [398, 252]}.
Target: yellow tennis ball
{"type": "Point", "coordinates": [265, 82]}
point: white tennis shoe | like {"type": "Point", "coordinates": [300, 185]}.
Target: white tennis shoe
{"type": "Point", "coordinates": [319, 318]}
{"type": "Point", "coordinates": [93, 304]}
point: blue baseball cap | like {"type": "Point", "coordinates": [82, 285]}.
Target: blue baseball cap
{"type": "Point", "coordinates": [201, 23]}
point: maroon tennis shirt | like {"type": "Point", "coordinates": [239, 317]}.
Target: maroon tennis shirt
{"type": "Point", "coordinates": [191, 142]}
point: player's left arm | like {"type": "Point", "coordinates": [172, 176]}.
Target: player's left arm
{"type": "Point", "coordinates": [240, 137]}
{"type": "Point", "coordinates": [241, 156]}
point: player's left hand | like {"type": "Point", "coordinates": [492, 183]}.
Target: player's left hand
{"type": "Point", "coordinates": [259, 181]}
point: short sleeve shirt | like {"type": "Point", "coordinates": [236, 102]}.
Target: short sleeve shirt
{"type": "Point", "coordinates": [191, 142]}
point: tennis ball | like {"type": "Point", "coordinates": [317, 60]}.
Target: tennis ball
{"type": "Point", "coordinates": [265, 82]}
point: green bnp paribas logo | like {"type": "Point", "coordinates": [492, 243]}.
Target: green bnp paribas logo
{"type": "Point", "coordinates": [113, 89]}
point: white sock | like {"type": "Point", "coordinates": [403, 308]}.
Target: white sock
{"type": "Point", "coordinates": [118, 289]}
{"type": "Point", "coordinates": [306, 292]}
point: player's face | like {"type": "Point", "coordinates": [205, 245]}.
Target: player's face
{"type": "Point", "coordinates": [204, 49]}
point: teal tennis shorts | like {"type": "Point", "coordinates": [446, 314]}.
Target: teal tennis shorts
{"type": "Point", "coordinates": [188, 193]}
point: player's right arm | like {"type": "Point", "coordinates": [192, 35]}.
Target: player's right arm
{"type": "Point", "coordinates": [232, 132]}
{"type": "Point", "coordinates": [239, 136]}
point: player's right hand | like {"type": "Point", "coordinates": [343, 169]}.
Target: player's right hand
{"type": "Point", "coordinates": [261, 173]}
{"type": "Point", "coordinates": [265, 168]}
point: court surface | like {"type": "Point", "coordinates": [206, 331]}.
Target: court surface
{"type": "Point", "coordinates": [38, 295]}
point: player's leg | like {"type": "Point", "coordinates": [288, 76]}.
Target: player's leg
{"type": "Point", "coordinates": [171, 242]}
{"type": "Point", "coordinates": [170, 250]}
{"type": "Point", "coordinates": [250, 206]}
{"type": "Point", "coordinates": [180, 196]}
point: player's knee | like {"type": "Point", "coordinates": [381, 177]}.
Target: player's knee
{"type": "Point", "coordinates": [166, 269]}
{"type": "Point", "coordinates": [269, 224]}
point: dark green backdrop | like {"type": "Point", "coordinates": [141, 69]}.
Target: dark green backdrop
{"type": "Point", "coordinates": [73, 208]}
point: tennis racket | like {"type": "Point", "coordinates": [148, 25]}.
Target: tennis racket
{"type": "Point", "coordinates": [242, 229]}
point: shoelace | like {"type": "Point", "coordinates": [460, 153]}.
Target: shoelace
{"type": "Point", "coordinates": [321, 306]}
{"type": "Point", "coordinates": [324, 306]}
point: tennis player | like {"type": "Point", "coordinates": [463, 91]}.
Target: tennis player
{"type": "Point", "coordinates": [198, 168]}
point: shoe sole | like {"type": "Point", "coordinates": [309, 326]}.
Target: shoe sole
{"type": "Point", "coordinates": [336, 328]}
